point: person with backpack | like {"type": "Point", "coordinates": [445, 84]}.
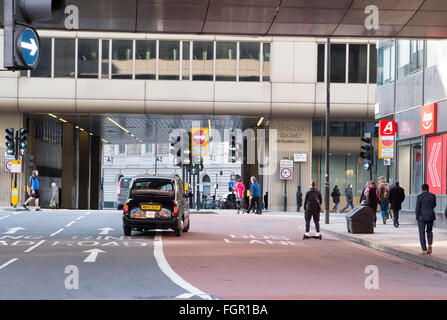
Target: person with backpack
{"type": "Point", "coordinates": [299, 199]}
{"type": "Point", "coordinates": [336, 198]}
{"type": "Point", "coordinates": [396, 197]}
{"type": "Point", "coordinates": [384, 189]}
{"type": "Point", "coordinates": [240, 189]}
{"type": "Point", "coordinates": [312, 208]}
{"type": "Point", "coordinates": [372, 196]}
{"type": "Point", "coordinates": [349, 198]}
{"type": "Point", "coordinates": [35, 195]}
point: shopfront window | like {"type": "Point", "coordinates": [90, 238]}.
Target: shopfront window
{"type": "Point", "coordinates": [145, 59]}
{"type": "Point", "coordinates": [249, 61]}
{"type": "Point", "coordinates": [226, 59]}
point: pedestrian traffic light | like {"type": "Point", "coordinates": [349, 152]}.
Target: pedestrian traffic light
{"type": "Point", "coordinates": [367, 153]}
{"type": "Point", "coordinates": [23, 144]}
{"type": "Point", "coordinates": [21, 41]}
{"type": "Point", "coordinates": [10, 141]}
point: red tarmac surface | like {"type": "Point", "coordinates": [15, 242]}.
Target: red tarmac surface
{"type": "Point", "coordinates": [264, 257]}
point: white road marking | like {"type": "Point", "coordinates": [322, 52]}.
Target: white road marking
{"type": "Point", "coordinates": [80, 217]}
{"type": "Point", "coordinates": [70, 224]}
{"type": "Point", "coordinates": [58, 231]}
{"type": "Point", "coordinates": [8, 263]}
{"type": "Point", "coordinates": [167, 270]}
{"type": "Point", "coordinates": [93, 255]}
{"type": "Point", "coordinates": [14, 230]}
{"type": "Point", "coordinates": [105, 230]}
{"type": "Point", "coordinates": [4, 217]}
{"type": "Point", "coordinates": [35, 246]}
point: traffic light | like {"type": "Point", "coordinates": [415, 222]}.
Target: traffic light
{"type": "Point", "coordinates": [367, 153]}
{"type": "Point", "coordinates": [201, 164]}
{"type": "Point", "coordinates": [176, 150]}
{"type": "Point", "coordinates": [23, 144]}
{"type": "Point", "coordinates": [10, 141]}
{"type": "Point", "coordinates": [232, 153]}
{"type": "Point", "coordinates": [21, 41]}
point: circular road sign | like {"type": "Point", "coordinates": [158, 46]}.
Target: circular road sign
{"type": "Point", "coordinates": [366, 165]}
{"type": "Point", "coordinates": [28, 43]}
{"type": "Point", "coordinates": [199, 137]}
{"type": "Point", "coordinates": [8, 165]}
{"type": "Point", "coordinates": [286, 173]}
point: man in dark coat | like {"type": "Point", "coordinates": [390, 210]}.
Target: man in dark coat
{"type": "Point", "coordinates": [349, 198]}
{"type": "Point", "coordinates": [299, 199]}
{"type": "Point", "coordinates": [312, 208]}
{"type": "Point", "coordinates": [396, 197]}
{"type": "Point", "coordinates": [336, 198]}
{"type": "Point", "coordinates": [425, 215]}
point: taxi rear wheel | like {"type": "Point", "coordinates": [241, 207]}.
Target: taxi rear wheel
{"type": "Point", "coordinates": [186, 229]}
{"type": "Point", "coordinates": [127, 231]}
{"type": "Point", "coordinates": [179, 230]}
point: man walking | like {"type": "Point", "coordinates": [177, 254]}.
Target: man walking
{"type": "Point", "coordinates": [425, 215]}
{"type": "Point", "coordinates": [349, 198]}
{"type": "Point", "coordinates": [299, 199]}
{"type": "Point", "coordinates": [384, 188]}
{"type": "Point", "coordinates": [255, 191]}
{"type": "Point", "coordinates": [312, 208]}
{"type": "Point", "coordinates": [35, 195]}
{"type": "Point", "coordinates": [396, 197]}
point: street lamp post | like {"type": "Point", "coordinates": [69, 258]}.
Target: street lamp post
{"type": "Point", "coordinates": [328, 109]}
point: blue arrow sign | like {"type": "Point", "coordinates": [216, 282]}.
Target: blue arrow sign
{"type": "Point", "coordinates": [29, 46]}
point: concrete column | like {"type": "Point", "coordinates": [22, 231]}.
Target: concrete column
{"type": "Point", "coordinates": [294, 136]}
{"type": "Point", "coordinates": [84, 170]}
{"type": "Point", "coordinates": [95, 172]}
{"type": "Point", "coordinates": [68, 166]}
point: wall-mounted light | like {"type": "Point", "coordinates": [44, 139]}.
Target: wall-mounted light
{"type": "Point", "coordinates": [260, 121]}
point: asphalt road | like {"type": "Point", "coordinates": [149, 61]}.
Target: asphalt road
{"type": "Point", "coordinates": [224, 256]}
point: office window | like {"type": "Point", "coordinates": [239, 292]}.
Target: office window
{"type": "Point", "coordinates": [133, 149]}
{"type": "Point", "coordinates": [122, 59]}
{"type": "Point", "coordinates": [320, 63]}
{"type": "Point", "coordinates": [203, 60]}
{"type": "Point", "coordinates": [145, 59]}
{"type": "Point", "coordinates": [64, 58]}
{"type": "Point", "coordinates": [88, 58]}
{"type": "Point", "coordinates": [149, 149]}
{"type": "Point", "coordinates": [169, 60]}
{"type": "Point", "coordinates": [338, 63]}
{"type": "Point", "coordinates": [386, 63]}
{"type": "Point", "coordinates": [185, 60]}
{"type": "Point", "coordinates": [416, 55]}
{"type": "Point", "coordinates": [372, 63]}
{"type": "Point", "coordinates": [121, 148]}
{"type": "Point", "coordinates": [266, 62]}
{"type": "Point", "coordinates": [226, 58]}
{"type": "Point", "coordinates": [43, 69]}
{"type": "Point", "coordinates": [249, 63]}
{"type": "Point", "coordinates": [352, 129]}
{"type": "Point", "coordinates": [105, 59]}
{"type": "Point", "coordinates": [358, 63]}
{"type": "Point", "coordinates": [403, 58]}
{"type": "Point", "coordinates": [338, 129]}
{"type": "Point", "coordinates": [316, 128]}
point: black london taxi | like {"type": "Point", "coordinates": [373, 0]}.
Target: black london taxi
{"type": "Point", "coordinates": [156, 202]}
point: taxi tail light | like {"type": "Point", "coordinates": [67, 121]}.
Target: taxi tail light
{"type": "Point", "coordinates": [175, 209]}
{"type": "Point", "coordinates": [126, 208]}
{"type": "Point", "coordinates": [118, 190]}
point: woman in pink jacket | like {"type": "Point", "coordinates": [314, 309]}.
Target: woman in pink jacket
{"type": "Point", "coordinates": [239, 188]}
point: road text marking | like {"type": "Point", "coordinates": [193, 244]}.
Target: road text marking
{"type": "Point", "coordinates": [35, 246]}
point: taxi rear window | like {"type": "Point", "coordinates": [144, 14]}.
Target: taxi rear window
{"type": "Point", "coordinates": [151, 185]}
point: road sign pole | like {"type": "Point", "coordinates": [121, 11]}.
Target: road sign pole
{"type": "Point", "coordinates": [328, 109]}
{"type": "Point", "coordinates": [285, 195]}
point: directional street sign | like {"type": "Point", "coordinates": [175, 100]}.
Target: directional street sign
{"type": "Point", "coordinates": [28, 44]}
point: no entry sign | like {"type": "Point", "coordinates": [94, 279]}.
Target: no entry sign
{"type": "Point", "coordinates": [199, 141]}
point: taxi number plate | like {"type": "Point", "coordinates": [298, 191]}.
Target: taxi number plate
{"type": "Point", "coordinates": [151, 207]}
{"type": "Point", "coordinates": [150, 214]}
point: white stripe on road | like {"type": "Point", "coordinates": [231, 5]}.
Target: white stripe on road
{"type": "Point", "coordinates": [167, 270]}
{"type": "Point", "coordinates": [4, 217]}
{"type": "Point", "coordinates": [35, 246]}
{"type": "Point", "coordinates": [70, 223]}
{"type": "Point", "coordinates": [55, 233]}
{"type": "Point", "coordinates": [8, 263]}
{"type": "Point", "coordinates": [80, 217]}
